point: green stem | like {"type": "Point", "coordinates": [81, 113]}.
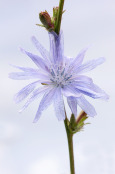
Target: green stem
{"type": "Point", "coordinates": [59, 17]}
{"type": "Point", "coordinates": [70, 146]}
{"type": "Point", "coordinates": [69, 134]}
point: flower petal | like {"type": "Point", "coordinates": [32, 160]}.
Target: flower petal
{"type": "Point", "coordinates": [77, 61]}
{"type": "Point", "coordinates": [60, 47]}
{"type": "Point", "coordinates": [81, 78]}
{"type": "Point", "coordinates": [69, 60]}
{"type": "Point", "coordinates": [29, 73]}
{"type": "Point", "coordinates": [59, 105]}
{"type": "Point", "coordinates": [36, 93]}
{"type": "Point", "coordinates": [91, 90]}
{"type": "Point", "coordinates": [23, 93]}
{"type": "Point", "coordinates": [45, 102]}
{"type": "Point", "coordinates": [26, 69]}
{"type": "Point", "coordinates": [36, 59]}
{"type": "Point", "coordinates": [22, 76]}
{"type": "Point", "coordinates": [41, 49]}
{"type": "Point", "coordinates": [90, 65]}
{"type": "Point", "coordinates": [53, 49]}
{"type": "Point", "coordinates": [27, 76]}
{"type": "Point", "coordinates": [56, 47]}
{"type": "Point", "coordinates": [86, 106]}
{"type": "Point", "coordinates": [70, 90]}
{"type": "Point", "coordinates": [72, 102]}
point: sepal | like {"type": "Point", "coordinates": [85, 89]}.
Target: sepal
{"type": "Point", "coordinates": [77, 125]}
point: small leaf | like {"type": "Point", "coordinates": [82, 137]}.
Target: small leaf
{"type": "Point", "coordinates": [40, 25]}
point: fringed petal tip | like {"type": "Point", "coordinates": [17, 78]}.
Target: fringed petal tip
{"type": "Point", "coordinates": [22, 50]}
{"type": "Point", "coordinates": [35, 120]}
{"type": "Point", "coordinates": [61, 118]}
{"type": "Point", "coordinates": [12, 76]}
{"type": "Point", "coordinates": [15, 99]}
{"type": "Point", "coordinates": [20, 111]}
{"type": "Point", "coordinates": [91, 115]}
{"type": "Point", "coordinates": [86, 106]}
{"type": "Point", "coordinates": [33, 39]}
{"type": "Point", "coordinates": [101, 60]}
{"type": "Point", "coordinates": [9, 76]}
{"type": "Point", "coordinates": [105, 97]}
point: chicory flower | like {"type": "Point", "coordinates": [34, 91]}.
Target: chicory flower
{"type": "Point", "coordinates": [57, 76]}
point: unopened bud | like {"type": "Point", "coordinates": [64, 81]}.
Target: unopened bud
{"type": "Point", "coordinates": [82, 116]}
{"type": "Point", "coordinates": [46, 20]}
{"type": "Point", "coordinates": [55, 11]}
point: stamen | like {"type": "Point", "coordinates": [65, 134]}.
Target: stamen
{"type": "Point", "coordinates": [52, 73]}
{"type": "Point", "coordinates": [68, 78]}
{"type": "Point", "coordinates": [52, 80]}
{"type": "Point", "coordinates": [62, 72]}
{"type": "Point", "coordinates": [58, 71]}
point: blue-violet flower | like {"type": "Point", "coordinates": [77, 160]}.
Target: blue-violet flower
{"type": "Point", "coordinates": [58, 76]}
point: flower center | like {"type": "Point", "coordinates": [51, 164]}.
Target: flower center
{"type": "Point", "coordinates": [59, 76]}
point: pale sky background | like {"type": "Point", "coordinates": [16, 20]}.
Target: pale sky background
{"type": "Point", "coordinates": [41, 148]}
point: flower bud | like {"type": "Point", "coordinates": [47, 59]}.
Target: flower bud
{"type": "Point", "coordinates": [55, 15]}
{"type": "Point", "coordinates": [82, 116]}
{"type": "Point", "coordinates": [55, 11]}
{"type": "Point", "coordinates": [46, 20]}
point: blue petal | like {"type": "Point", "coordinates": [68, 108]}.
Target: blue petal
{"type": "Point", "coordinates": [45, 102]}
{"type": "Point", "coordinates": [59, 105]}
{"type": "Point", "coordinates": [22, 76]}
{"type": "Point", "coordinates": [28, 73]}
{"type": "Point", "coordinates": [70, 91]}
{"type": "Point", "coordinates": [72, 102]}
{"type": "Point", "coordinates": [53, 49]}
{"type": "Point", "coordinates": [86, 106]}
{"type": "Point", "coordinates": [81, 78]}
{"type": "Point", "coordinates": [36, 93]}
{"type": "Point", "coordinates": [90, 65]}
{"type": "Point", "coordinates": [56, 47]}
{"type": "Point", "coordinates": [36, 59]}
{"type": "Point", "coordinates": [60, 47]}
{"type": "Point", "coordinates": [27, 76]}
{"type": "Point", "coordinates": [23, 93]}
{"type": "Point", "coordinates": [92, 90]}
{"type": "Point", "coordinates": [77, 61]}
{"type": "Point", "coordinates": [41, 49]}
{"type": "Point", "coordinates": [25, 69]}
